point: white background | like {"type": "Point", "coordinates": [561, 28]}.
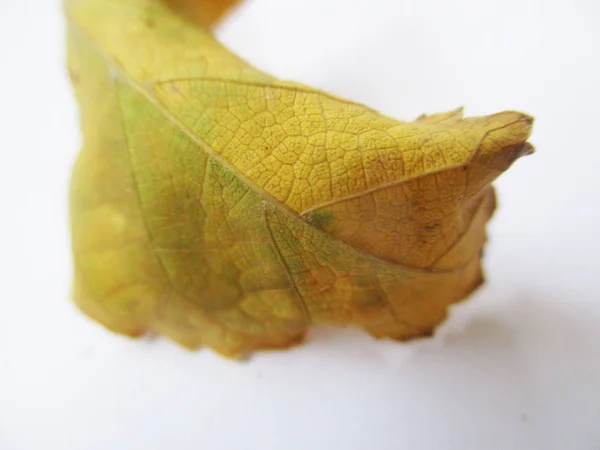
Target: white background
{"type": "Point", "coordinates": [517, 367]}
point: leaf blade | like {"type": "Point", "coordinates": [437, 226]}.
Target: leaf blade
{"type": "Point", "coordinates": [262, 205]}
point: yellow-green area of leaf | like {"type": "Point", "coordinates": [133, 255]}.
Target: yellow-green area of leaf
{"type": "Point", "coordinates": [219, 206]}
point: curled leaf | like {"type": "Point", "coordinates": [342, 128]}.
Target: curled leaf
{"type": "Point", "coordinates": [220, 206]}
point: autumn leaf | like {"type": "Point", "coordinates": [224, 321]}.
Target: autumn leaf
{"type": "Point", "coordinates": [222, 207]}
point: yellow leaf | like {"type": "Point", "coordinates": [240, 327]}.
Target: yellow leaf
{"type": "Point", "coordinates": [221, 207]}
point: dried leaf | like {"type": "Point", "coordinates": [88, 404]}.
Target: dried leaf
{"type": "Point", "coordinates": [219, 206]}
